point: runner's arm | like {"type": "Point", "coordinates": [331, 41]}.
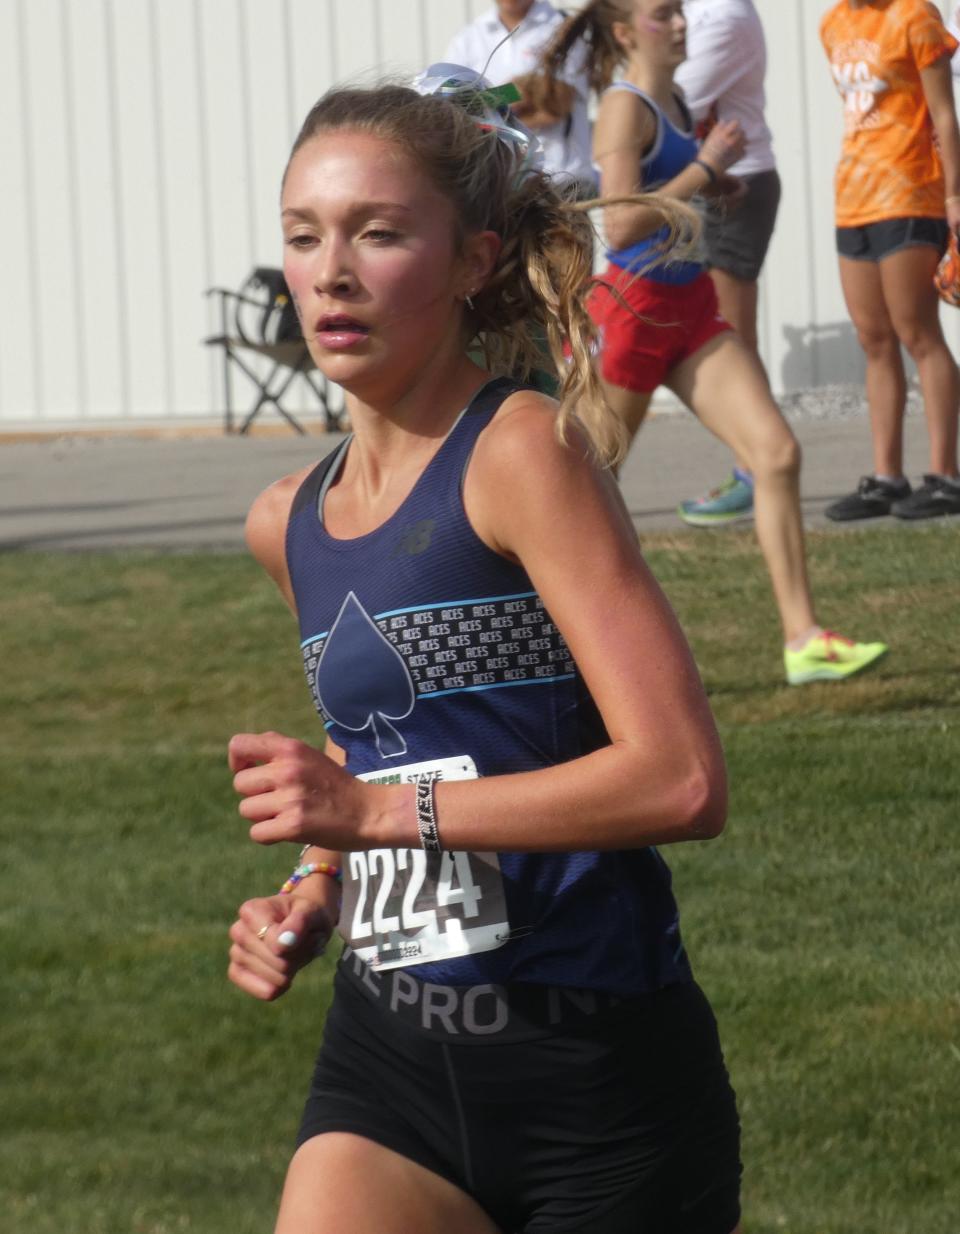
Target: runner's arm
{"type": "Point", "coordinates": [937, 81]}
{"type": "Point", "coordinates": [266, 531]}
{"type": "Point", "coordinates": [625, 128]}
{"type": "Point", "coordinates": [263, 966]}
{"type": "Point", "coordinates": [662, 778]}
{"type": "Point", "coordinates": [325, 890]}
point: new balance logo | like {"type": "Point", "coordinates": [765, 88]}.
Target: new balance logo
{"type": "Point", "coordinates": [416, 538]}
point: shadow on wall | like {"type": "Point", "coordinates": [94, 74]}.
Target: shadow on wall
{"type": "Point", "coordinates": [824, 355]}
{"type": "Point", "coordinates": [820, 355]}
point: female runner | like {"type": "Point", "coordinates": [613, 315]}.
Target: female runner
{"type": "Point", "coordinates": [662, 326]}
{"type": "Point", "coordinates": [897, 196]}
{"type": "Point", "coordinates": [516, 1042]}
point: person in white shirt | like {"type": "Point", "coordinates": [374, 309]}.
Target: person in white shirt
{"type": "Point", "coordinates": [506, 44]}
{"type": "Point", "coordinates": [723, 79]}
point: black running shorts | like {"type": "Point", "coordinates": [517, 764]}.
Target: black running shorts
{"type": "Point", "coordinates": [617, 1122]}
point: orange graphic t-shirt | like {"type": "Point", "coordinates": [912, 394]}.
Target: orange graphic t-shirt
{"type": "Point", "coordinates": [889, 166]}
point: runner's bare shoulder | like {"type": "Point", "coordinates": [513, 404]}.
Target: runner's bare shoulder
{"type": "Point", "coordinates": [266, 527]}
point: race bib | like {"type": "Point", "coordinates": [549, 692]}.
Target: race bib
{"type": "Point", "coordinates": [402, 906]}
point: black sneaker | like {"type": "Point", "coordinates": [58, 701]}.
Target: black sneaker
{"type": "Point", "coordinates": [872, 499]}
{"type": "Point", "coordinates": [935, 497]}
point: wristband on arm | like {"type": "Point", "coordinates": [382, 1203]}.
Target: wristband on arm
{"type": "Point", "coordinates": [427, 816]}
{"type": "Point", "coordinates": [711, 172]}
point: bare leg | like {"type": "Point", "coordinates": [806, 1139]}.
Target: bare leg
{"type": "Point", "coordinates": [726, 387]}
{"type": "Point", "coordinates": [345, 1184]}
{"type": "Point", "coordinates": [886, 382]}
{"type": "Point", "coordinates": [914, 308]}
{"type": "Point", "coordinates": [738, 304]}
{"type": "Point", "coordinates": [629, 406]}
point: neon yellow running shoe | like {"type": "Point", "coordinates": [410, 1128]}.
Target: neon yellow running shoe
{"type": "Point", "coordinates": [829, 657]}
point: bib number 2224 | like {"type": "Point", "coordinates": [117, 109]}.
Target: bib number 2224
{"type": "Point", "coordinates": [404, 906]}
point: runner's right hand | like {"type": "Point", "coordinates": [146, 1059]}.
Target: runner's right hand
{"type": "Point", "coordinates": [724, 146]}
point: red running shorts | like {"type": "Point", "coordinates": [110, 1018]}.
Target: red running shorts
{"type": "Point", "coordinates": [662, 326]}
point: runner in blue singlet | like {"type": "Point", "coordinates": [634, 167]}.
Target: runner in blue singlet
{"type": "Point", "coordinates": [513, 720]}
{"type": "Point", "coordinates": [660, 325]}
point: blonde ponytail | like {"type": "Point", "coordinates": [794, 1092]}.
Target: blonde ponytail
{"type": "Point", "coordinates": [590, 32]}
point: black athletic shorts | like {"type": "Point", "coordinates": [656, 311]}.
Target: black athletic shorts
{"type": "Point", "coordinates": [620, 1120]}
{"type": "Point", "coordinates": [878, 240]}
{"type": "Point", "coordinates": [736, 241]}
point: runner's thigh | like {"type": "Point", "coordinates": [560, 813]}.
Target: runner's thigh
{"type": "Point", "coordinates": [725, 386]}
{"type": "Point", "coordinates": [344, 1184]}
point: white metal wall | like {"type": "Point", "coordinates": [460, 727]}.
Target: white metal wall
{"type": "Point", "coordinates": [141, 148]}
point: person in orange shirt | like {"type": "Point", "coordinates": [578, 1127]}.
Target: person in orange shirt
{"type": "Point", "coordinates": [898, 196]}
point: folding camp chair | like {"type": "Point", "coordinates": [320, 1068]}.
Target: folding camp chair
{"type": "Point", "coordinates": [260, 318]}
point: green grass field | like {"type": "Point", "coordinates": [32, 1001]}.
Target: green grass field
{"type": "Point", "coordinates": [143, 1095]}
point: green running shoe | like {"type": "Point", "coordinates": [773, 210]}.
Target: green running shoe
{"type": "Point", "coordinates": [729, 503]}
{"type": "Point", "coordinates": [830, 657]}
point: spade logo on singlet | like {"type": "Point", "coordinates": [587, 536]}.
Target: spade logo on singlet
{"type": "Point", "coordinates": [362, 680]}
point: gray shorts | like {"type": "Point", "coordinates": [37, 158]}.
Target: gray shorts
{"type": "Point", "coordinates": [875, 241]}
{"type": "Point", "coordinates": [737, 242]}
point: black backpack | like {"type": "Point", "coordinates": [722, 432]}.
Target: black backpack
{"type": "Point", "coordinates": [265, 311]}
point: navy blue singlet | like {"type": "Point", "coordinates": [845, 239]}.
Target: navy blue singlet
{"type": "Point", "coordinates": [423, 648]}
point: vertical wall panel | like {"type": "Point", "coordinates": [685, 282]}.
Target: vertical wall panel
{"type": "Point", "coordinates": [289, 61]}
{"type": "Point", "coordinates": [837, 356]}
{"type": "Point", "coordinates": [21, 390]}
{"type": "Point", "coordinates": [443, 19]}
{"type": "Point", "coordinates": [183, 202]}
{"type": "Point", "coordinates": [266, 74]}
{"type": "Point", "coordinates": [139, 192]}
{"type": "Point", "coordinates": [313, 44]}
{"type": "Point", "coordinates": [230, 226]}
{"type": "Point", "coordinates": [55, 268]}
{"type": "Point", "coordinates": [356, 39]}
{"type": "Point", "coordinates": [790, 264]}
{"type": "Point", "coordinates": [950, 317]}
{"type": "Point", "coordinates": [405, 38]}
{"type": "Point", "coordinates": [97, 207]}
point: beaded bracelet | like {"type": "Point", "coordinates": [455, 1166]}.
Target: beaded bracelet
{"type": "Point", "coordinates": [312, 867]}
